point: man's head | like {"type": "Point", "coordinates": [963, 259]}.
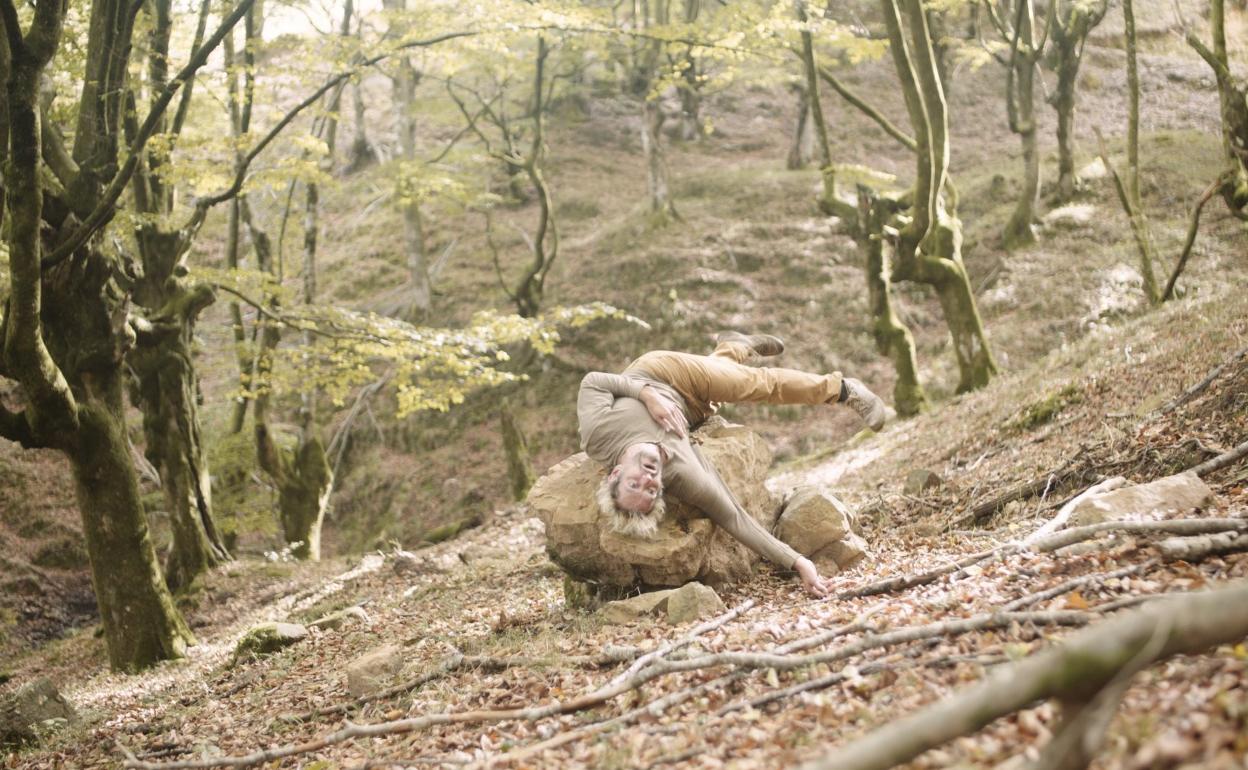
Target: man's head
{"type": "Point", "coordinates": [632, 493]}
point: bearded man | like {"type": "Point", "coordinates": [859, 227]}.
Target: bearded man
{"type": "Point", "coordinates": [636, 424]}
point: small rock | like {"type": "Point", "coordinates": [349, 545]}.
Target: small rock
{"type": "Point", "coordinates": [844, 553]}
{"type": "Point", "coordinates": [920, 480]}
{"type": "Point", "coordinates": [812, 518]}
{"type": "Point", "coordinates": [269, 638]}
{"type": "Point", "coordinates": [628, 610]}
{"type": "Point", "coordinates": [23, 710]}
{"type": "Point", "coordinates": [1165, 496]}
{"type": "Point", "coordinates": [408, 563]}
{"type": "Point", "coordinates": [336, 620]}
{"type": "Point", "coordinates": [693, 601]}
{"type": "Point", "coordinates": [372, 671]}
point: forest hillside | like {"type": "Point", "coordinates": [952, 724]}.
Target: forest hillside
{"type": "Point", "coordinates": [309, 370]}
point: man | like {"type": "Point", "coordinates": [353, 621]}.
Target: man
{"type": "Point", "coordinates": [637, 424]}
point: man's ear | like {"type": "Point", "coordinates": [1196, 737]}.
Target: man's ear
{"type": "Point", "coordinates": [615, 473]}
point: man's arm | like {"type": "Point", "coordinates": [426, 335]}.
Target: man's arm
{"type": "Point", "coordinates": [707, 492]}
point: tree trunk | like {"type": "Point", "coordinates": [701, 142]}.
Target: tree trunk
{"type": "Point", "coordinates": [801, 148]}
{"type": "Point", "coordinates": [1070, 29]}
{"type": "Point", "coordinates": [929, 248]}
{"type": "Point", "coordinates": [519, 466]}
{"type": "Point", "coordinates": [1021, 102]}
{"type": "Point", "coordinates": [167, 387]}
{"type": "Point", "coordinates": [362, 154]}
{"type": "Point", "coordinates": [827, 200]}
{"type": "Point", "coordinates": [892, 337]}
{"type": "Point", "coordinates": [67, 353]}
{"type": "Point", "coordinates": [405, 80]}
{"type": "Point", "coordinates": [141, 625]}
{"type": "Point", "coordinates": [661, 206]}
{"type": "Point", "coordinates": [1139, 223]}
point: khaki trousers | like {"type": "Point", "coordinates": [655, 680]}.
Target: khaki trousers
{"type": "Point", "coordinates": [705, 382]}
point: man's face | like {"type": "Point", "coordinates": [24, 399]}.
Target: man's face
{"type": "Point", "coordinates": [641, 478]}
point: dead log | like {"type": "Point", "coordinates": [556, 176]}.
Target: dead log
{"type": "Point", "coordinates": [1077, 671]}
{"type": "Point", "coordinates": [1202, 547]}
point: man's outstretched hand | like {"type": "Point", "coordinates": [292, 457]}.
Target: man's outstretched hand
{"type": "Point", "coordinates": [815, 585]}
{"type": "Point", "coordinates": [666, 412]}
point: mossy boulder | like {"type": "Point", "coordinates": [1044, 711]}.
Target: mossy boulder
{"type": "Point", "coordinates": [268, 638]}
{"type": "Point", "coordinates": [29, 709]}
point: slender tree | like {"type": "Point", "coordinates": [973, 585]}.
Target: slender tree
{"type": "Point", "coordinates": [1071, 22]}
{"type": "Point", "coordinates": [1015, 21]}
{"type": "Point", "coordinates": [827, 171]}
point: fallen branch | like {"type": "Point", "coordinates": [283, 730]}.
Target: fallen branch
{"type": "Point", "coordinates": [1200, 387]}
{"type": "Point", "coordinates": [1040, 485]}
{"type": "Point", "coordinates": [1051, 543]}
{"type": "Point", "coordinates": [1221, 461]}
{"type": "Point", "coordinates": [669, 647]}
{"type": "Point", "coordinates": [1202, 547]}
{"type": "Point", "coordinates": [1078, 668]}
{"type": "Point", "coordinates": [1169, 526]}
{"type": "Point", "coordinates": [1070, 585]}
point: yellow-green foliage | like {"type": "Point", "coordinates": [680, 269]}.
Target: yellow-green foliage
{"type": "Point", "coordinates": [1042, 411]}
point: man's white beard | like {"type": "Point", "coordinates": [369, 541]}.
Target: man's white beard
{"type": "Point", "coordinates": [643, 526]}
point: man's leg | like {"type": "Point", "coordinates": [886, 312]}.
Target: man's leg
{"type": "Point", "coordinates": [705, 381]}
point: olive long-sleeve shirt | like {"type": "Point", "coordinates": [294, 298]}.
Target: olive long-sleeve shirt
{"type": "Point", "coordinates": [612, 418]}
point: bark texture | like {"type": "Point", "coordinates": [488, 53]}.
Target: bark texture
{"type": "Point", "coordinates": [1071, 21]}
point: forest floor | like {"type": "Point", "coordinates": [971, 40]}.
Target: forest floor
{"type": "Point", "coordinates": [493, 597]}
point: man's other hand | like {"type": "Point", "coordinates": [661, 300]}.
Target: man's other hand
{"type": "Point", "coordinates": [815, 585]}
{"type": "Point", "coordinates": [665, 411]}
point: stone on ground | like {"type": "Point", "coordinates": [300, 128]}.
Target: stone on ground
{"type": "Point", "coordinates": [687, 546]}
{"type": "Point", "coordinates": [268, 638]}
{"type": "Point", "coordinates": [921, 480]}
{"type": "Point", "coordinates": [27, 709]}
{"type": "Point", "coordinates": [819, 526]}
{"type": "Point", "coordinates": [1157, 499]}
{"type": "Point", "coordinates": [627, 610]}
{"type": "Point", "coordinates": [693, 601]}
{"type": "Point", "coordinates": [374, 670]}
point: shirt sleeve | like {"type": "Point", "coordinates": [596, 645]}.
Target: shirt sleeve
{"type": "Point", "coordinates": [598, 393]}
{"type": "Point", "coordinates": [701, 487]}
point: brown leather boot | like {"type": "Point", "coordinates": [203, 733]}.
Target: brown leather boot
{"type": "Point", "coordinates": [761, 344]}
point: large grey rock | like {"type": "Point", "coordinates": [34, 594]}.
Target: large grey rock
{"type": "Point", "coordinates": [28, 708]}
{"type": "Point", "coordinates": [374, 670]}
{"type": "Point", "coordinates": [1154, 500]}
{"type": "Point", "coordinates": [687, 546]}
{"type": "Point", "coordinates": [819, 526]}
{"type": "Point", "coordinates": [693, 601]}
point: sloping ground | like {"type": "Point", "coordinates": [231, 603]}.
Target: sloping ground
{"type": "Point", "coordinates": [493, 597]}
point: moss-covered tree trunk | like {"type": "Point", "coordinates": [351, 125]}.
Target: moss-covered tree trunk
{"type": "Point", "coordinates": [929, 247]}
{"type": "Point", "coordinates": [168, 390]}
{"type": "Point", "coordinates": [302, 475]}
{"type": "Point", "coordinates": [1071, 24]}
{"type": "Point", "coordinates": [519, 466]}
{"type": "Point", "coordinates": [892, 337]}
{"type": "Point", "coordinates": [67, 327]}
{"type": "Point", "coordinates": [1233, 98]}
{"type": "Point", "coordinates": [141, 625]}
